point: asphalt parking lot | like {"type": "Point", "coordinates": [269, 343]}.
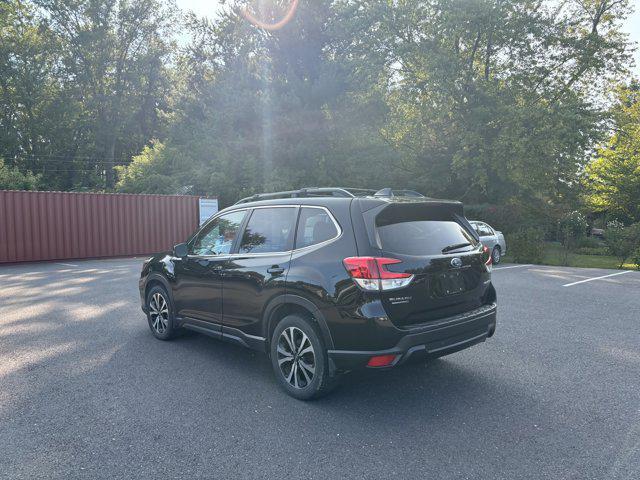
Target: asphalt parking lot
{"type": "Point", "coordinates": [87, 392]}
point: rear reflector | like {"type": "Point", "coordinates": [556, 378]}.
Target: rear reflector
{"type": "Point", "coordinates": [371, 273]}
{"type": "Point", "coordinates": [381, 361]}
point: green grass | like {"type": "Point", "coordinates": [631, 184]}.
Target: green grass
{"type": "Point", "coordinates": [553, 255]}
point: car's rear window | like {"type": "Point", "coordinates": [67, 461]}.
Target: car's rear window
{"type": "Point", "coordinates": [423, 237]}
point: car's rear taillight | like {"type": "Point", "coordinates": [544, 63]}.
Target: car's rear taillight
{"type": "Point", "coordinates": [487, 253]}
{"type": "Point", "coordinates": [370, 273]}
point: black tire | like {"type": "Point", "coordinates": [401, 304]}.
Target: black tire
{"type": "Point", "coordinates": [162, 325]}
{"type": "Point", "coordinates": [496, 255]}
{"type": "Point", "coordinates": [294, 376]}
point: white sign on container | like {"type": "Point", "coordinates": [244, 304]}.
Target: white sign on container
{"type": "Point", "coordinates": [208, 208]}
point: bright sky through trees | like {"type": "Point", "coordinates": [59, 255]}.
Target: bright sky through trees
{"type": "Point", "coordinates": [210, 7]}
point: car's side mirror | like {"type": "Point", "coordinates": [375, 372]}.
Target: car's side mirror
{"type": "Point", "coordinates": [181, 250]}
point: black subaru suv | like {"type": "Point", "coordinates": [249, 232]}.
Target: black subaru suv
{"type": "Point", "coordinates": [328, 280]}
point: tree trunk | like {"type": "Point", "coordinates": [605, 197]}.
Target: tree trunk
{"type": "Point", "coordinates": [487, 59]}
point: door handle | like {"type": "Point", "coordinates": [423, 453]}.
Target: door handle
{"type": "Point", "coordinates": [275, 270]}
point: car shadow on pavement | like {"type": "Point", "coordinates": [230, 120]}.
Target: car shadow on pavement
{"type": "Point", "coordinates": [444, 386]}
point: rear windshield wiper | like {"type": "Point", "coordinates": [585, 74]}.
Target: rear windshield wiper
{"type": "Point", "coordinates": [455, 247]}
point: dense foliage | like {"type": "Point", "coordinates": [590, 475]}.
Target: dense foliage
{"type": "Point", "coordinates": [13, 179]}
{"type": "Point", "coordinates": [613, 179]}
{"type": "Point", "coordinates": [527, 245]}
{"type": "Point", "coordinates": [486, 101]}
{"type": "Point", "coordinates": [83, 84]}
{"type": "Point", "coordinates": [623, 242]}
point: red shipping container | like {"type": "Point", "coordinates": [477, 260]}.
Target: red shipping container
{"type": "Point", "coordinates": [38, 226]}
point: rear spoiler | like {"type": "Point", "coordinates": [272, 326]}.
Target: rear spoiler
{"type": "Point", "coordinates": [418, 210]}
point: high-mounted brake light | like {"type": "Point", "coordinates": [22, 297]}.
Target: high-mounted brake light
{"type": "Point", "coordinates": [370, 273]}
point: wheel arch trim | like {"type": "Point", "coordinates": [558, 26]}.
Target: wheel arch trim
{"type": "Point", "coordinates": [291, 299]}
{"type": "Point", "coordinates": [157, 278]}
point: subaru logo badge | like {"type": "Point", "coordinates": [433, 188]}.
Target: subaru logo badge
{"type": "Point", "coordinates": [456, 262]}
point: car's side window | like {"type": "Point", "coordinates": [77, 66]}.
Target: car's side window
{"type": "Point", "coordinates": [482, 229]}
{"type": "Point", "coordinates": [487, 230]}
{"type": "Point", "coordinates": [315, 226]}
{"type": "Point", "coordinates": [269, 230]}
{"type": "Point", "coordinates": [218, 236]}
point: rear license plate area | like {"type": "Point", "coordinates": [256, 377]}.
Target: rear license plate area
{"type": "Point", "coordinates": [449, 283]}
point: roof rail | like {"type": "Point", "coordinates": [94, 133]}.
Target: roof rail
{"type": "Point", "coordinates": [309, 192]}
{"type": "Point", "coordinates": [389, 192]}
{"type": "Point", "coordinates": [345, 192]}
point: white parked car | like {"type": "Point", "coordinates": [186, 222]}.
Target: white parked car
{"type": "Point", "coordinates": [490, 238]}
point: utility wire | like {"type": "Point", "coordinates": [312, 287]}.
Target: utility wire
{"type": "Point", "coordinates": [63, 158]}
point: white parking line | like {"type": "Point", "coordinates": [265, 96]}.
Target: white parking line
{"type": "Point", "coordinates": [66, 264]}
{"type": "Point", "coordinates": [512, 266]}
{"type": "Point", "coordinates": [596, 278]}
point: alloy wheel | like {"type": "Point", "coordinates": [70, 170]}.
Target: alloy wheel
{"type": "Point", "coordinates": [159, 312]}
{"type": "Point", "coordinates": [296, 358]}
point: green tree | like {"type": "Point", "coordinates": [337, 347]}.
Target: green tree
{"type": "Point", "coordinates": [492, 95]}
{"type": "Point", "coordinates": [571, 228]}
{"type": "Point", "coordinates": [622, 241]}
{"type": "Point", "coordinates": [486, 101]}
{"type": "Point", "coordinates": [34, 127]}
{"type": "Point", "coordinates": [144, 173]}
{"type": "Point", "coordinates": [12, 179]}
{"type": "Point", "coordinates": [114, 55]}
{"type": "Point", "coordinates": [613, 178]}
{"type": "Point", "coordinates": [265, 110]}
{"type": "Point", "coordinates": [83, 85]}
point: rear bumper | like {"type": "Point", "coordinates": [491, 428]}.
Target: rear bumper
{"type": "Point", "coordinates": [432, 340]}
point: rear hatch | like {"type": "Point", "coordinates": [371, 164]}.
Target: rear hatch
{"type": "Point", "coordinates": [435, 243]}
